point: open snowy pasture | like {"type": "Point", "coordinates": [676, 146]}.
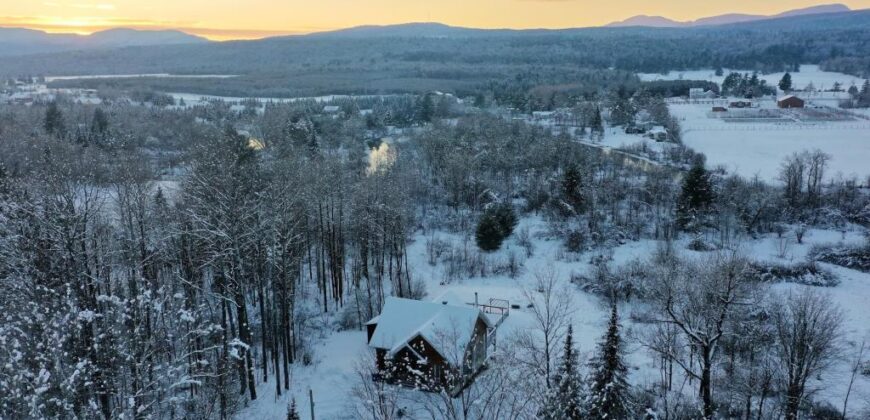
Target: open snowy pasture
{"type": "Point", "coordinates": [808, 74]}
{"type": "Point", "coordinates": [751, 149]}
{"type": "Point", "coordinates": [333, 373]}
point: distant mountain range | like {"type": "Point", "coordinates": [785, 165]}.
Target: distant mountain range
{"type": "Point", "coordinates": [430, 56]}
{"type": "Point", "coordinates": [663, 22]}
{"type": "Point", "coordinates": [19, 41]}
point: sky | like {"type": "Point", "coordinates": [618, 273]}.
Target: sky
{"type": "Point", "coordinates": [248, 19]}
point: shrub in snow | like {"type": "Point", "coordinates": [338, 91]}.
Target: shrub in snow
{"type": "Point", "coordinates": [418, 290]}
{"type": "Point", "coordinates": [824, 411]}
{"type": "Point", "coordinates": [353, 314]}
{"type": "Point", "coordinates": [799, 233]}
{"type": "Point", "coordinates": [524, 239]}
{"type": "Point", "coordinates": [780, 229]}
{"type": "Point", "coordinates": [575, 241]}
{"type": "Point", "coordinates": [701, 245]}
{"type": "Point", "coordinates": [855, 258]}
{"type": "Point", "coordinates": [807, 273]}
{"type": "Point", "coordinates": [510, 266]}
{"type": "Point", "coordinates": [435, 249]}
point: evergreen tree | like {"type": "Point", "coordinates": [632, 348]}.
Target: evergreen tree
{"type": "Point", "coordinates": [495, 225]}
{"type": "Point", "coordinates": [4, 181]}
{"type": "Point", "coordinates": [100, 122]}
{"type": "Point", "coordinates": [292, 411]}
{"type": "Point", "coordinates": [572, 189]}
{"type": "Point", "coordinates": [426, 109]}
{"type": "Point", "coordinates": [731, 83]}
{"type": "Point", "coordinates": [785, 83]}
{"type": "Point", "coordinates": [695, 198]}
{"type": "Point", "coordinates": [608, 390]}
{"type": "Point", "coordinates": [864, 97]}
{"type": "Point", "coordinates": [53, 120]}
{"type": "Point", "coordinates": [566, 399]}
{"type": "Point", "coordinates": [597, 125]}
{"type": "Point", "coordinates": [488, 235]}
{"type": "Point", "coordinates": [479, 100]}
{"type": "Point", "coordinates": [507, 219]}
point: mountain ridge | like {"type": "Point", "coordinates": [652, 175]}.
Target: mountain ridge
{"type": "Point", "coordinates": [725, 19]}
{"type": "Point", "coordinates": [24, 41]}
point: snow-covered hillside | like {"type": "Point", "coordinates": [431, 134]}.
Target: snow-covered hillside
{"type": "Point", "coordinates": [334, 373]}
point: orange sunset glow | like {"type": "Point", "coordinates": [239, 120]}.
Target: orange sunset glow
{"type": "Point", "coordinates": [228, 19]}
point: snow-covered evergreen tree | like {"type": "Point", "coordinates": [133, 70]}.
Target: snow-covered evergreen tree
{"type": "Point", "coordinates": [608, 390]}
{"type": "Point", "coordinates": [565, 400]}
{"type": "Point", "coordinates": [292, 411]}
{"type": "Point", "coordinates": [695, 199]}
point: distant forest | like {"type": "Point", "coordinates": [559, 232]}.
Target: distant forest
{"type": "Point", "coordinates": [464, 60]}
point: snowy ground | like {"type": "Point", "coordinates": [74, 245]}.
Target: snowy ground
{"type": "Point", "coordinates": [332, 375]}
{"type": "Point", "coordinates": [809, 73]}
{"type": "Point", "coordinates": [752, 149]}
{"type": "Point", "coordinates": [193, 99]}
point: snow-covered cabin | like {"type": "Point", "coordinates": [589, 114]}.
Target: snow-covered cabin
{"type": "Point", "coordinates": [437, 345]}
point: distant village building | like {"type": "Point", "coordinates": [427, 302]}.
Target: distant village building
{"type": "Point", "coordinates": [790, 101]}
{"type": "Point", "coordinates": [740, 104]}
{"type": "Point", "coordinates": [543, 115]}
{"type": "Point", "coordinates": [699, 93]}
{"type": "Point", "coordinates": [331, 109]}
{"type": "Point", "coordinates": [434, 346]}
{"type": "Point", "coordinates": [658, 133]}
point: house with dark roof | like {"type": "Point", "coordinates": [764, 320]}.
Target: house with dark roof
{"type": "Point", "coordinates": [790, 101]}
{"type": "Point", "coordinates": [437, 345]}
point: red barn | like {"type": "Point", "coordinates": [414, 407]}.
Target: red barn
{"type": "Point", "coordinates": [790, 101]}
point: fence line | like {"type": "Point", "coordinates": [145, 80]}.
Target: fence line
{"type": "Point", "coordinates": [777, 127]}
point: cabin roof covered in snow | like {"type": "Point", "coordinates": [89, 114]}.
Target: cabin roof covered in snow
{"type": "Point", "coordinates": [442, 325]}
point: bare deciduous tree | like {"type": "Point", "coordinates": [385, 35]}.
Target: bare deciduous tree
{"type": "Point", "coordinates": [699, 299]}
{"type": "Point", "coordinates": [551, 308]}
{"type": "Point", "coordinates": [807, 327]}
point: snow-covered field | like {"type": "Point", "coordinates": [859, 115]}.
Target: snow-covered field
{"type": "Point", "coordinates": [50, 79]}
{"type": "Point", "coordinates": [332, 375]}
{"type": "Point", "coordinates": [751, 149]}
{"type": "Point", "coordinates": [809, 73]}
{"type": "Point", "coordinates": [192, 99]}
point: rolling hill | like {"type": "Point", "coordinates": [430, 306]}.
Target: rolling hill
{"type": "Point", "coordinates": [663, 22]}
{"type": "Point", "coordinates": [19, 41]}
